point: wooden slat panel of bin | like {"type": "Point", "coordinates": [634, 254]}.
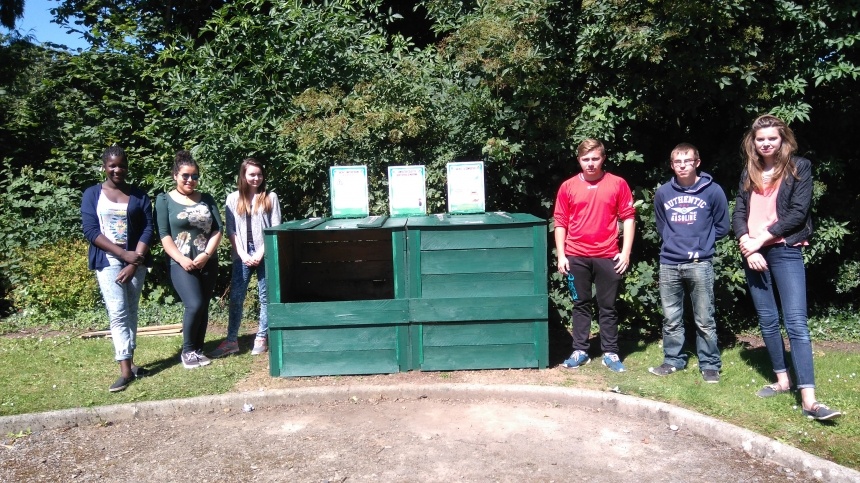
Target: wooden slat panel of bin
{"type": "Point", "coordinates": [345, 337]}
{"type": "Point", "coordinates": [526, 307]}
{"type": "Point", "coordinates": [479, 333]}
{"type": "Point", "coordinates": [477, 236]}
{"type": "Point", "coordinates": [476, 284]}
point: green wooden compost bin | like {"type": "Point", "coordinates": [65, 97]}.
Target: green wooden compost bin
{"type": "Point", "coordinates": [337, 298]}
{"type": "Point", "coordinates": [478, 291]}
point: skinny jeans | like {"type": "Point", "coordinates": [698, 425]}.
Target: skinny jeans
{"type": "Point", "coordinates": [785, 276]}
{"type": "Point", "coordinates": [195, 288]}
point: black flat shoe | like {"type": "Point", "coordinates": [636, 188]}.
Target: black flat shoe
{"type": "Point", "coordinates": [120, 384]}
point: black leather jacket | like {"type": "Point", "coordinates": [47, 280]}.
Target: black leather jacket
{"type": "Point", "coordinates": [793, 206]}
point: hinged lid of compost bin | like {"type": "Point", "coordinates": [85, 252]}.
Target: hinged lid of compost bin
{"type": "Point", "coordinates": [473, 220]}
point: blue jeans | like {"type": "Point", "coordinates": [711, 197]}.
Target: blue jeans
{"type": "Point", "coordinates": [122, 301]}
{"type": "Point", "coordinates": [238, 288]}
{"type": "Point", "coordinates": [695, 279]}
{"type": "Point", "coordinates": [787, 275]}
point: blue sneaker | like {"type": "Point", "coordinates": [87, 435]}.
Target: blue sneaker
{"type": "Point", "coordinates": [611, 360]}
{"type": "Point", "coordinates": [577, 359]}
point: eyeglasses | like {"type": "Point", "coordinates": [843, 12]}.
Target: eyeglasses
{"type": "Point", "coordinates": [194, 177]}
{"type": "Point", "coordinates": [683, 162]}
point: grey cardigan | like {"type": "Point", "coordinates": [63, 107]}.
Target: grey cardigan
{"type": "Point", "coordinates": [236, 225]}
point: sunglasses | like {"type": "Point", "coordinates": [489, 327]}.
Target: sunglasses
{"type": "Point", "coordinates": [194, 177]}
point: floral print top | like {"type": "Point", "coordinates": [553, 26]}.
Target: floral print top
{"type": "Point", "coordinates": [190, 226]}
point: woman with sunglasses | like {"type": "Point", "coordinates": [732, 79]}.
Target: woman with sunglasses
{"type": "Point", "coordinates": [189, 225]}
{"type": "Point", "coordinates": [117, 221]}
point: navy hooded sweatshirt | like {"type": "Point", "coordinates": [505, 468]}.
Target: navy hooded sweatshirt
{"type": "Point", "coordinates": [690, 220]}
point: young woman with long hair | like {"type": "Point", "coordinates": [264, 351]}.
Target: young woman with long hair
{"type": "Point", "coordinates": [250, 209]}
{"type": "Point", "coordinates": [772, 222]}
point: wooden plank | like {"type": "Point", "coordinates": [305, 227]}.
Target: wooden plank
{"type": "Point", "coordinates": [478, 333]}
{"type": "Point", "coordinates": [333, 314]}
{"type": "Point", "coordinates": [323, 235]}
{"type": "Point", "coordinates": [344, 250]}
{"type": "Point", "coordinates": [477, 261]}
{"type": "Point", "coordinates": [531, 307]}
{"type": "Point", "coordinates": [339, 339]}
{"type": "Point", "coordinates": [540, 254]}
{"type": "Point", "coordinates": [399, 266]}
{"type": "Point", "coordinates": [276, 352]}
{"type": "Point", "coordinates": [170, 329]}
{"type": "Point", "coordinates": [541, 338]}
{"type": "Point", "coordinates": [342, 290]}
{"type": "Point", "coordinates": [345, 270]}
{"type": "Point", "coordinates": [339, 363]}
{"type": "Point", "coordinates": [477, 284]}
{"type": "Point", "coordinates": [413, 260]}
{"type": "Point", "coordinates": [491, 236]}
{"type": "Point", "coordinates": [479, 357]}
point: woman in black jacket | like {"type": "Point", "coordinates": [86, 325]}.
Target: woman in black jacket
{"type": "Point", "coordinates": [772, 223]}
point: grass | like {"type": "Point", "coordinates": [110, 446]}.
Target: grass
{"type": "Point", "coordinates": [48, 373]}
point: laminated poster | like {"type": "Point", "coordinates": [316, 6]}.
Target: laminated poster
{"type": "Point", "coordinates": [466, 187]}
{"type": "Point", "coordinates": [349, 196]}
{"type": "Point", "coordinates": [407, 192]}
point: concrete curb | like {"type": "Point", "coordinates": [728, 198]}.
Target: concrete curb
{"type": "Point", "coordinates": [752, 443]}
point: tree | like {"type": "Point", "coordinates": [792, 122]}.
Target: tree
{"type": "Point", "coordinates": [10, 12]}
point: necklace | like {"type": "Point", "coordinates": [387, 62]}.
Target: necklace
{"type": "Point", "coordinates": [187, 198]}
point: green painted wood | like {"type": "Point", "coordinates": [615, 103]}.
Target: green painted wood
{"type": "Point", "coordinates": [339, 339]}
{"type": "Point", "coordinates": [275, 353]}
{"type": "Point", "coordinates": [529, 307]}
{"type": "Point", "coordinates": [273, 259]}
{"type": "Point", "coordinates": [541, 338]}
{"type": "Point", "coordinates": [478, 333]}
{"type": "Point", "coordinates": [540, 259]}
{"type": "Point", "coordinates": [479, 357]}
{"type": "Point", "coordinates": [400, 267]}
{"type": "Point", "coordinates": [413, 260]}
{"type": "Point", "coordinates": [477, 284]}
{"type": "Point", "coordinates": [481, 237]}
{"type": "Point", "coordinates": [334, 314]}
{"type": "Point", "coordinates": [416, 345]}
{"type": "Point", "coordinates": [339, 363]}
{"type": "Point", "coordinates": [477, 261]}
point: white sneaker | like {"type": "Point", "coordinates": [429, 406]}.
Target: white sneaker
{"type": "Point", "coordinates": [261, 344]}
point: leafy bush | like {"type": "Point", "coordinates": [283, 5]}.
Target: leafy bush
{"type": "Point", "coordinates": [56, 282]}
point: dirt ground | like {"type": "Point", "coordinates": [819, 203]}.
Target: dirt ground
{"type": "Point", "coordinates": [379, 439]}
{"type": "Point", "coordinates": [428, 439]}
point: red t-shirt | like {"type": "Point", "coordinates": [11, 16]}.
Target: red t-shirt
{"type": "Point", "coordinates": [590, 210]}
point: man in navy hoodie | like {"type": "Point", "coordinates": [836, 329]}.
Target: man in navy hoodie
{"type": "Point", "coordinates": [692, 214]}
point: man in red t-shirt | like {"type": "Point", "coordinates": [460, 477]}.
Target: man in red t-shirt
{"type": "Point", "coordinates": [587, 210]}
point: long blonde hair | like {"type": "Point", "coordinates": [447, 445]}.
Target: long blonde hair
{"type": "Point", "coordinates": [261, 202]}
{"type": "Point", "coordinates": [784, 162]}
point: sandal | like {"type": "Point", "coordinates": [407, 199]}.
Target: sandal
{"type": "Point", "coordinates": [771, 390]}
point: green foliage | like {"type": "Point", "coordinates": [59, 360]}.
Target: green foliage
{"type": "Point", "coordinates": [515, 83]}
{"type": "Point", "coordinates": [56, 283]}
